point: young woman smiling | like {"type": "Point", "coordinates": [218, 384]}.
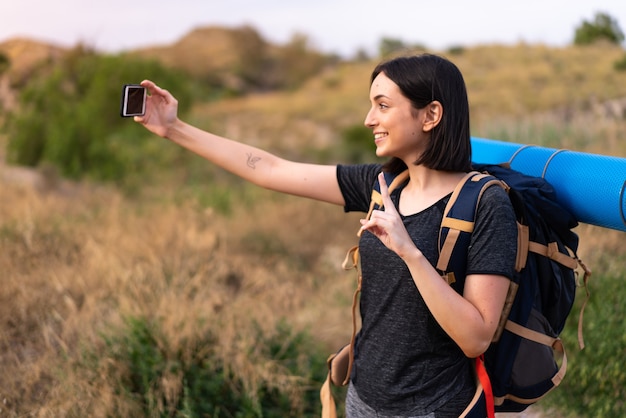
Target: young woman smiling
{"type": "Point", "coordinates": [412, 351]}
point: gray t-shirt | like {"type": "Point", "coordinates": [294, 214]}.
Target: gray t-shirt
{"type": "Point", "coordinates": [404, 361]}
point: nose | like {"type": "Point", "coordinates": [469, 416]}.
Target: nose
{"type": "Point", "coordinates": [370, 121]}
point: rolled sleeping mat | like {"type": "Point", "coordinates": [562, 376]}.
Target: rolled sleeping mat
{"type": "Point", "coordinates": [591, 186]}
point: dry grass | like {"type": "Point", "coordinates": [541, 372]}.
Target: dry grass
{"type": "Point", "coordinates": [519, 91]}
{"type": "Point", "coordinates": [76, 265]}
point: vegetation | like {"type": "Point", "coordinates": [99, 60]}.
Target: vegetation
{"type": "Point", "coordinates": [152, 375]}
{"type": "Point", "coordinates": [113, 307]}
{"type": "Point", "coordinates": [392, 46]}
{"type": "Point", "coordinates": [602, 28]}
{"type": "Point", "coordinates": [594, 386]}
{"type": "Point", "coordinates": [176, 301]}
{"type": "Point", "coordinates": [68, 116]}
{"type": "Point", "coordinates": [239, 60]}
{"type": "Point", "coordinates": [4, 63]}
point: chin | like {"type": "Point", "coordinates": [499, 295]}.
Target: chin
{"type": "Point", "coordinates": [380, 152]}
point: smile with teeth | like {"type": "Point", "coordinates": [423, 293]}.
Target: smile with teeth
{"type": "Point", "coordinates": [380, 135]}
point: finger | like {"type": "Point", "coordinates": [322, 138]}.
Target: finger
{"type": "Point", "coordinates": [372, 225]}
{"type": "Point", "coordinates": [384, 193]}
{"type": "Point", "coordinates": [153, 89]}
{"type": "Point", "coordinates": [149, 85]}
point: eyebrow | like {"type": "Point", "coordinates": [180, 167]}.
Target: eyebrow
{"type": "Point", "coordinates": [380, 96]}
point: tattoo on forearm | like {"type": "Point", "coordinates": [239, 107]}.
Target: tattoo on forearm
{"type": "Point", "coordinates": [252, 160]}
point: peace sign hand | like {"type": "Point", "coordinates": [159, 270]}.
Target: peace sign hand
{"type": "Point", "coordinates": [386, 224]}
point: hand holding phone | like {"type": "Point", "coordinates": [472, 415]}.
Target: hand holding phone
{"type": "Point", "coordinates": [133, 100]}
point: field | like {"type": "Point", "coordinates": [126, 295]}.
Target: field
{"type": "Point", "coordinates": [114, 304]}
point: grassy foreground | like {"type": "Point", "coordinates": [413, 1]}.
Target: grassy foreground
{"type": "Point", "coordinates": [165, 304]}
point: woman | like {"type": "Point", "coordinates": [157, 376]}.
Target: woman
{"type": "Point", "coordinates": [411, 354]}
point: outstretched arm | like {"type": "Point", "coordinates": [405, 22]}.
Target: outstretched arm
{"type": "Point", "coordinates": [250, 163]}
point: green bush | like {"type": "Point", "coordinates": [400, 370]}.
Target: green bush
{"type": "Point", "coordinates": [620, 65]}
{"type": "Point", "coordinates": [68, 116]}
{"type": "Point", "coordinates": [595, 384]}
{"type": "Point", "coordinates": [604, 27]}
{"type": "Point", "coordinates": [142, 358]}
{"type": "Point", "coordinates": [358, 145]}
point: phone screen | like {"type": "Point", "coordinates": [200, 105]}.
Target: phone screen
{"type": "Point", "coordinates": [133, 101]}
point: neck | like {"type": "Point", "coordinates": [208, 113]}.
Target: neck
{"type": "Point", "coordinates": [424, 179]}
{"type": "Point", "coordinates": [426, 187]}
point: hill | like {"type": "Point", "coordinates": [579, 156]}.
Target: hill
{"type": "Point", "coordinates": [514, 93]}
{"type": "Point", "coordinates": [137, 304]}
{"type": "Point", "coordinates": [26, 54]}
{"type": "Point", "coordinates": [502, 80]}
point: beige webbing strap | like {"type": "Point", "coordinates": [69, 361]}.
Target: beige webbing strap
{"type": "Point", "coordinates": [506, 310]}
{"type": "Point", "coordinates": [552, 252]}
{"type": "Point", "coordinates": [400, 178]}
{"type": "Point", "coordinates": [523, 240]}
{"type": "Point", "coordinates": [586, 276]}
{"type": "Point", "coordinates": [456, 226]}
{"type": "Point", "coordinates": [530, 334]}
{"type": "Point", "coordinates": [555, 343]}
{"type": "Point", "coordinates": [377, 198]}
{"type": "Point", "coordinates": [352, 262]}
{"type": "Point", "coordinates": [453, 234]}
{"type": "Point", "coordinates": [329, 408]}
{"type": "Point", "coordinates": [477, 394]}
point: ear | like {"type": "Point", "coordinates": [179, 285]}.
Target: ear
{"type": "Point", "coordinates": [432, 115]}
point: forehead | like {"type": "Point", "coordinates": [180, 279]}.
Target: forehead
{"type": "Point", "coordinates": [384, 86]}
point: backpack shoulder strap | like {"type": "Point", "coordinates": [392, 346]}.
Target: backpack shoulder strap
{"type": "Point", "coordinates": [457, 225]}
{"type": "Point", "coordinates": [352, 261]}
{"type": "Point", "coordinates": [393, 181]}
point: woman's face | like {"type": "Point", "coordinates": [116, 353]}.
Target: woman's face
{"type": "Point", "coordinates": [396, 124]}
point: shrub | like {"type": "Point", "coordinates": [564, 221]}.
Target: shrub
{"type": "Point", "coordinates": [358, 144]}
{"type": "Point", "coordinates": [158, 379]}
{"type": "Point", "coordinates": [620, 65]}
{"type": "Point", "coordinates": [595, 384]}
{"type": "Point", "coordinates": [69, 116]}
{"type": "Point", "coordinates": [604, 27]}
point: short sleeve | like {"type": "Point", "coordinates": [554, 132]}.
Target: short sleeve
{"type": "Point", "coordinates": [493, 246]}
{"type": "Point", "coordinates": [355, 183]}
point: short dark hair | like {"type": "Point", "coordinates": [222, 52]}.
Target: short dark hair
{"type": "Point", "coordinates": [422, 79]}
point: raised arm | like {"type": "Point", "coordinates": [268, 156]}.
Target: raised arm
{"type": "Point", "coordinates": [250, 163]}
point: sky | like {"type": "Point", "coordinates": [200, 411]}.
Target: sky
{"type": "Point", "coordinates": [332, 26]}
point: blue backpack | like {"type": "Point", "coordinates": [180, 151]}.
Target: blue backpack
{"type": "Point", "coordinates": [526, 358]}
{"type": "Point", "coordinates": [521, 365]}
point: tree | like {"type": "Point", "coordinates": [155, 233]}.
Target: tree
{"type": "Point", "coordinates": [389, 46]}
{"type": "Point", "coordinates": [604, 27]}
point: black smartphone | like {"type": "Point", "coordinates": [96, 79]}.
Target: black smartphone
{"type": "Point", "coordinates": [133, 100]}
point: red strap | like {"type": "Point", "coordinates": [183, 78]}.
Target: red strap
{"type": "Point", "coordinates": [484, 380]}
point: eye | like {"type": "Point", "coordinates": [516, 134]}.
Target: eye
{"type": "Point", "coordinates": [383, 106]}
